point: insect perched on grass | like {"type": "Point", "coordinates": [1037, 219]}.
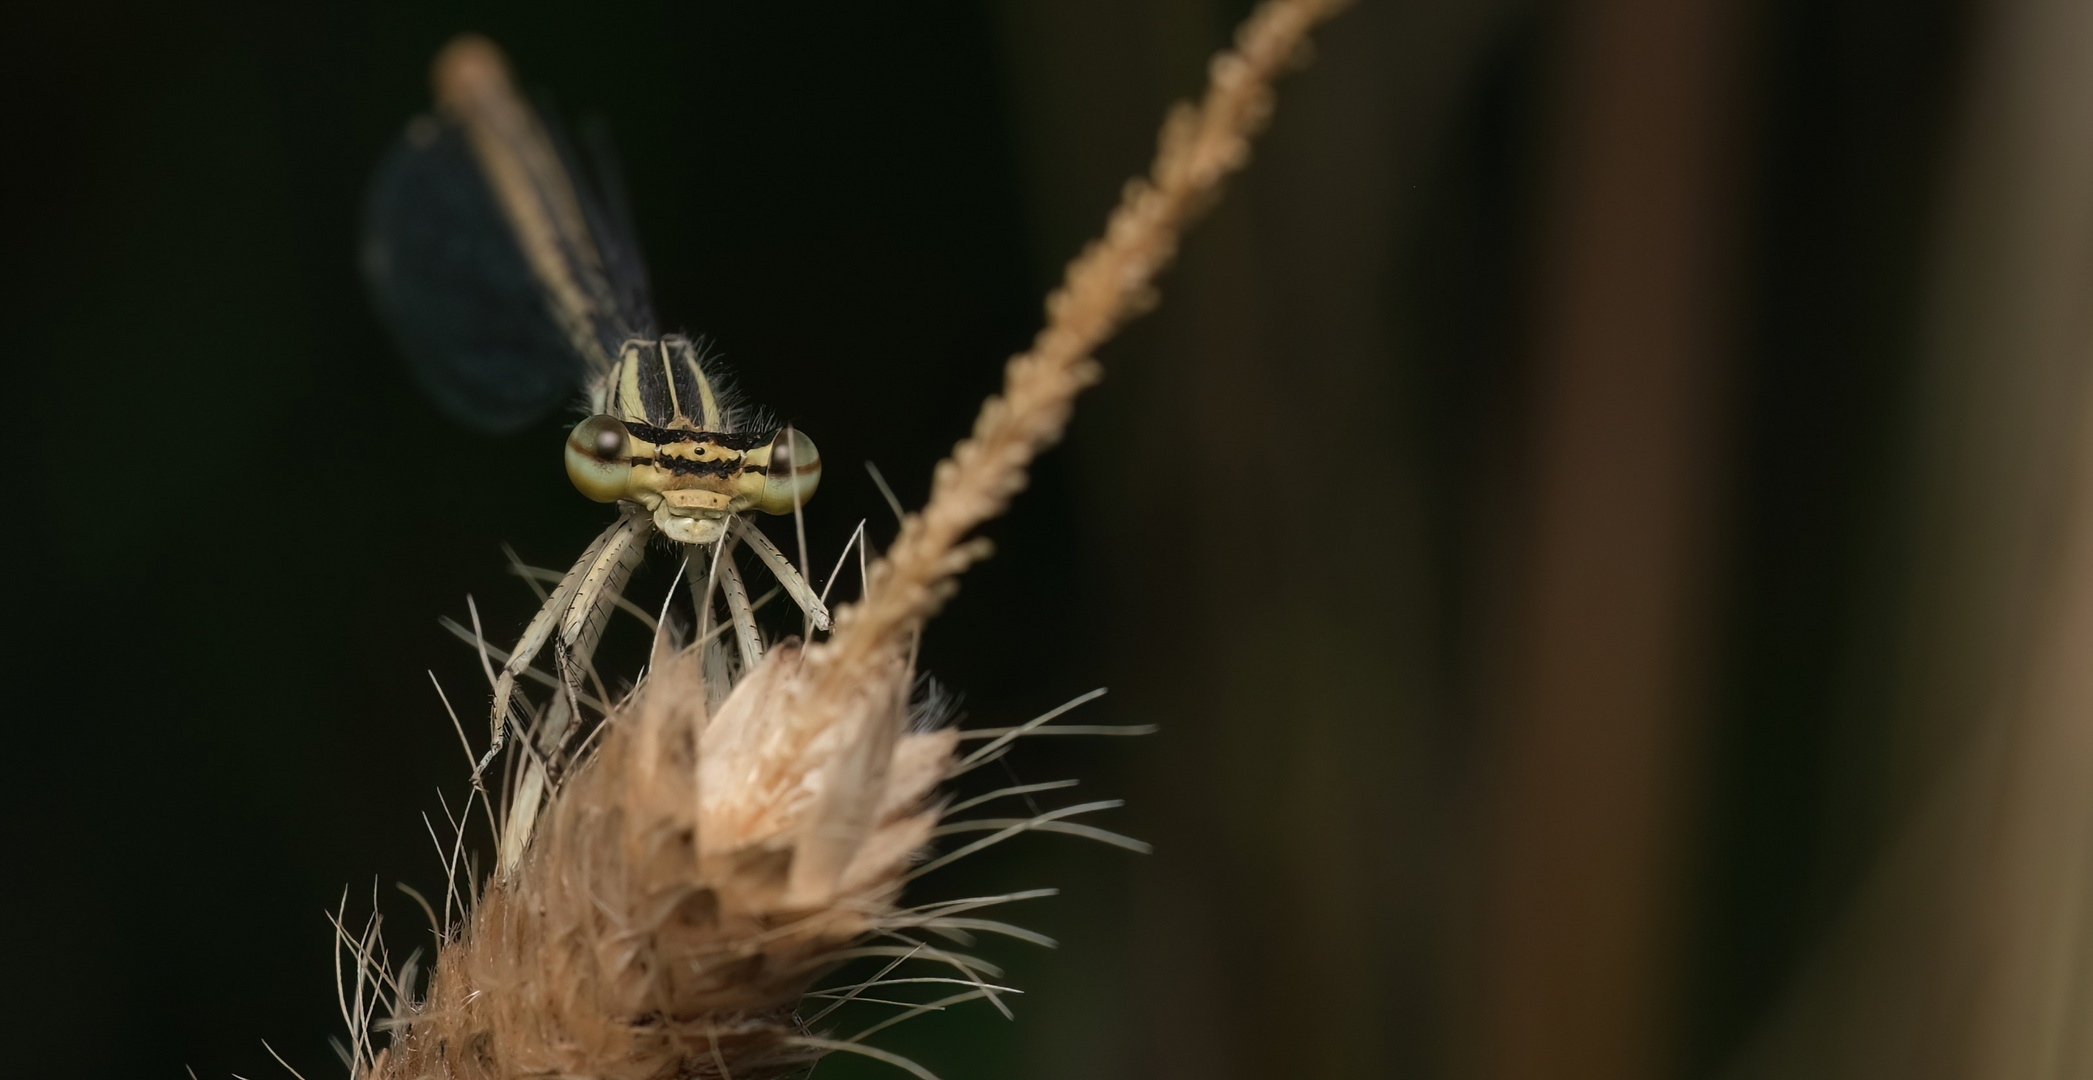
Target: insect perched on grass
{"type": "Point", "coordinates": [511, 278]}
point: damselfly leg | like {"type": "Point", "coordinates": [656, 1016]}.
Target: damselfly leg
{"type": "Point", "coordinates": [572, 617]}
{"type": "Point", "coordinates": [794, 582]}
{"type": "Point", "coordinates": [576, 610]}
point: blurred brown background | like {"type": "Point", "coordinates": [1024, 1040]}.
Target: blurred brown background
{"type": "Point", "coordinates": [1602, 516]}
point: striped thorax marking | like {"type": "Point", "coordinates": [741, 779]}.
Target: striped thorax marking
{"type": "Point", "coordinates": [662, 383]}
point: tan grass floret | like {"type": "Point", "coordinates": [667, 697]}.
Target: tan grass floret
{"type": "Point", "coordinates": [692, 877]}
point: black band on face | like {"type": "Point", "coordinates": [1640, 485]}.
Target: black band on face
{"type": "Point", "coordinates": [730, 440]}
{"type": "Point", "coordinates": [687, 467]}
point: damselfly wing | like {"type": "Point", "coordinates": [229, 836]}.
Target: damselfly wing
{"type": "Point", "coordinates": [511, 280]}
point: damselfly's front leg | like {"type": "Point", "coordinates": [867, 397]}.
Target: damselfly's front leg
{"type": "Point", "coordinates": [795, 585]}
{"type": "Point", "coordinates": [745, 633]}
{"type": "Point", "coordinates": [602, 579]}
{"type": "Point", "coordinates": [576, 610]}
{"type": "Point", "coordinates": [712, 568]}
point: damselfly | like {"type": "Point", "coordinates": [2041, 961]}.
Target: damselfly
{"type": "Point", "coordinates": [510, 277]}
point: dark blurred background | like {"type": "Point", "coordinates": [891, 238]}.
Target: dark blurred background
{"type": "Point", "coordinates": [1597, 515]}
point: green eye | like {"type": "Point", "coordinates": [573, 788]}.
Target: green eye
{"type": "Point", "coordinates": [599, 452]}
{"type": "Point", "coordinates": [793, 471]}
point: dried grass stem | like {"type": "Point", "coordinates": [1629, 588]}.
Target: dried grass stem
{"type": "Point", "coordinates": [1105, 287]}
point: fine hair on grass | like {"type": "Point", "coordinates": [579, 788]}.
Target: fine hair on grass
{"type": "Point", "coordinates": [709, 852]}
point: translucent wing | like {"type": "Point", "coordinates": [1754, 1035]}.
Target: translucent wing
{"type": "Point", "coordinates": [505, 280]}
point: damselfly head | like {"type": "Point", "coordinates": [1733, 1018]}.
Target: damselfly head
{"type": "Point", "coordinates": [691, 480]}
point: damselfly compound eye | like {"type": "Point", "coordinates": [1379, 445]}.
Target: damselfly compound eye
{"type": "Point", "coordinates": [793, 472]}
{"type": "Point", "coordinates": [599, 452]}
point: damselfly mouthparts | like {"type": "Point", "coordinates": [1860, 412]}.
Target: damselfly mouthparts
{"type": "Point", "coordinates": [510, 278]}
